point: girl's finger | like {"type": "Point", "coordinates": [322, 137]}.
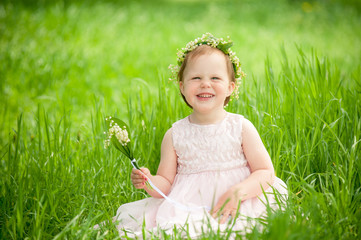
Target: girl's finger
{"type": "Point", "coordinates": [225, 215]}
{"type": "Point", "coordinates": [135, 171]}
{"type": "Point", "coordinates": [233, 214]}
{"type": "Point", "coordinates": [216, 209]}
{"type": "Point", "coordinates": [141, 178]}
{"type": "Point", "coordinates": [144, 171]}
{"type": "Point", "coordinates": [214, 212]}
{"type": "Point", "coordinates": [137, 181]}
{"type": "Point", "coordinates": [137, 175]}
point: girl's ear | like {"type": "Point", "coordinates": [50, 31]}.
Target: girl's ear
{"type": "Point", "coordinates": [181, 87]}
{"type": "Point", "coordinates": [231, 87]}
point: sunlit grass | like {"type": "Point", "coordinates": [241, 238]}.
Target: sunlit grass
{"type": "Point", "coordinates": [64, 67]}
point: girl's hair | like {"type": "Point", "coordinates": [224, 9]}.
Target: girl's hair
{"type": "Point", "coordinates": [202, 50]}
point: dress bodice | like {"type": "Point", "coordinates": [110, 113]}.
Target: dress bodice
{"type": "Point", "coordinates": [213, 147]}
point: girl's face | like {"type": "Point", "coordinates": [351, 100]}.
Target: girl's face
{"type": "Point", "coordinates": [206, 82]}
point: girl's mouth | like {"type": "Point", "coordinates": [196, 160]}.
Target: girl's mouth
{"type": "Point", "coordinates": [205, 95]}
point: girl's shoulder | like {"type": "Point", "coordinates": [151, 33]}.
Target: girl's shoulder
{"type": "Point", "coordinates": [234, 123]}
{"type": "Point", "coordinates": [180, 122]}
{"type": "Point", "coordinates": [235, 119]}
{"type": "Point", "coordinates": [239, 117]}
{"type": "Point", "coordinates": [249, 131]}
{"type": "Point", "coordinates": [235, 116]}
{"type": "Point", "coordinates": [241, 124]}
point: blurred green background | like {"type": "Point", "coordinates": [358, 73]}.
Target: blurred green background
{"type": "Point", "coordinates": [63, 52]}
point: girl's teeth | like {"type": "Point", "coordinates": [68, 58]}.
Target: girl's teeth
{"type": "Point", "coordinates": [205, 96]}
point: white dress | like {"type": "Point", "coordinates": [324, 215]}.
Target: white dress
{"type": "Point", "coordinates": [210, 161]}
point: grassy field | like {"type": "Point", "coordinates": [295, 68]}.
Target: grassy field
{"type": "Point", "coordinates": [66, 65]}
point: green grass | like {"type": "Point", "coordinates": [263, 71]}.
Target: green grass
{"type": "Point", "coordinates": [65, 65]}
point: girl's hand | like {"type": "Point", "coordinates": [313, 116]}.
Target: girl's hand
{"type": "Point", "coordinates": [139, 179]}
{"type": "Point", "coordinates": [227, 206]}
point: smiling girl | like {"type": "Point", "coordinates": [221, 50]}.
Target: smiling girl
{"type": "Point", "coordinates": [213, 162]}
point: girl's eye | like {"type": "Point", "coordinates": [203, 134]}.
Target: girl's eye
{"type": "Point", "coordinates": [196, 78]}
{"type": "Point", "coordinates": [215, 78]}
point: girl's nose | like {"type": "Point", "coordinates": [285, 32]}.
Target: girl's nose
{"type": "Point", "coordinates": [205, 83]}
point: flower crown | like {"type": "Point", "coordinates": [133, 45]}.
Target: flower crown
{"type": "Point", "coordinates": [219, 43]}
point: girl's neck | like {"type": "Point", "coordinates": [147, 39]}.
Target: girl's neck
{"type": "Point", "coordinates": [207, 118]}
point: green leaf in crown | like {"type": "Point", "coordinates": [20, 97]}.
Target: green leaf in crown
{"type": "Point", "coordinates": [224, 47]}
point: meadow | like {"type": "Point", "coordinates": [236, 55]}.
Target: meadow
{"type": "Point", "coordinates": [65, 65]}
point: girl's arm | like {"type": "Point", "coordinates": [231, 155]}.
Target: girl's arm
{"type": "Point", "coordinates": [262, 174]}
{"type": "Point", "coordinates": [166, 170]}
